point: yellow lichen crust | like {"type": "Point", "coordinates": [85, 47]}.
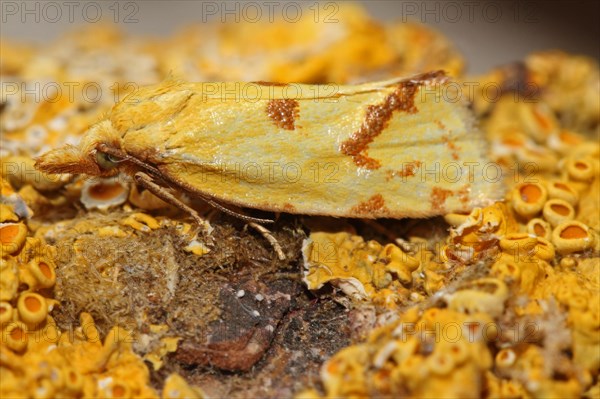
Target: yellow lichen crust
{"type": "Point", "coordinates": [360, 269]}
{"type": "Point", "coordinates": [343, 44]}
{"type": "Point", "coordinates": [430, 354]}
{"type": "Point", "coordinates": [37, 358]}
{"type": "Point", "coordinates": [74, 364]}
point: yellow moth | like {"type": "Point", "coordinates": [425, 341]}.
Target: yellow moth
{"type": "Point", "coordinates": [398, 148]}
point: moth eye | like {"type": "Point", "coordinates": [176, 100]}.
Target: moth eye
{"type": "Point", "coordinates": [106, 161]}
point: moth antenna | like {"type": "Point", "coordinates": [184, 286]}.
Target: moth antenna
{"type": "Point", "coordinates": [123, 156]}
{"type": "Point", "coordinates": [115, 159]}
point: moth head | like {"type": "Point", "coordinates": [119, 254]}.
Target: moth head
{"type": "Point", "coordinates": [85, 158]}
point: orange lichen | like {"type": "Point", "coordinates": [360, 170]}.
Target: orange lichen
{"type": "Point", "coordinates": [17, 334]}
{"type": "Point", "coordinates": [563, 190]}
{"type": "Point", "coordinates": [6, 313]}
{"type": "Point", "coordinates": [32, 308]}
{"type": "Point", "coordinates": [572, 236]}
{"type": "Point", "coordinates": [12, 237]}
{"type": "Point", "coordinates": [33, 304]}
{"type": "Point", "coordinates": [557, 211]}
{"type": "Point", "coordinates": [360, 269]}
{"type": "Point", "coordinates": [104, 193]}
{"type": "Point", "coordinates": [539, 230]}
{"type": "Point", "coordinates": [8, 233]}
{"type": "Point", "coordinates": [530, 199]}
{"type": "Point", "coordinates": [478, 236]}
{"type": "Point", "coordinates": [532, 193]}
{"type": "Point", "coordinates": [14, 336]}
{"type": "Point", "coordinates": [39, 272]}
{"type": "Point", "coordinates": [45, 270]}
{"type": "Point", "coordinates": [85, 365]}
{"type": "Point", "coordinates": [145, 199]}
{"type": "Point", "coordinates": [413, 357]}
{"type": "Point", "coordinates": [480, 296]}
{"type": "Point", "coordinates": [560, 209]}
{"type": "Point", "coordinates": [574, 231]}
{"type": "Point", "coordinates": [141, 222]}
{"type": "Point", "coordinates": [580, 169]}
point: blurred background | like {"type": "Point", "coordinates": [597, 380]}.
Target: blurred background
{"type": "Point", "coordinates": [487, 32]}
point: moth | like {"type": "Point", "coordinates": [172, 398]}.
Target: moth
{"type": "Point", "coordinates": [393, 149]}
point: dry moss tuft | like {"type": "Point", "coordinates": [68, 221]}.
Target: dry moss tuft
{"type": "Point", "coordinates": [147, 278]}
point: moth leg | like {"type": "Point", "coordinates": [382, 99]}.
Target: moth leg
{"type": "Point", "coordinates": [146, 181]}
{"type": "Point", "coordinates": [269, 237]}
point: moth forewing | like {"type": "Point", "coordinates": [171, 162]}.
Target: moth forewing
{"type": "Point", "coordinates": [400, 148]}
